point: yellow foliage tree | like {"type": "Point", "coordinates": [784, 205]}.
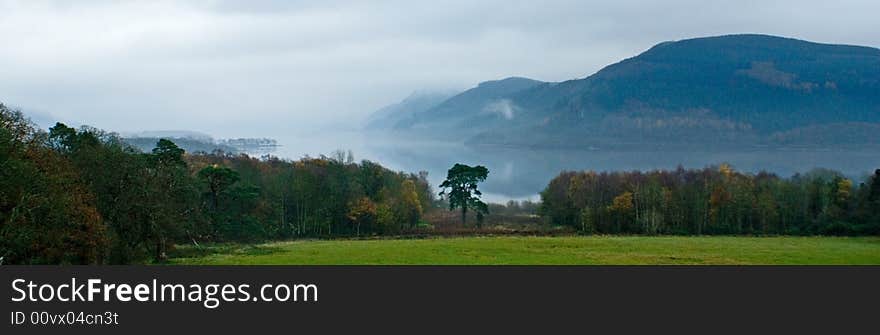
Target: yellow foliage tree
{"type": "Point", "coordinates": [362, 211]}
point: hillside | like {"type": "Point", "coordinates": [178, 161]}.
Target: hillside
{"type": "Point", "coordinates": [730, 90]}
{"type": "Point", "coordinates": [479, 108]}
{"type": "Point", "coordinates": [417, 102]}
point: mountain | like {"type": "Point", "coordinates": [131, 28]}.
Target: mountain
{"type": "Point", "coordinates": [417, 102]}
{"type": "Point", "coordinates": [732, 90]}
{"type": "Point", "coordinates": [484, 104]}
{"type": "Point", "coordinates": [479, 108]}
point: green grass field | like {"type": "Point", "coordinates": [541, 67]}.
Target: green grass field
{"type": "Point", "coordinates": [546, 250]}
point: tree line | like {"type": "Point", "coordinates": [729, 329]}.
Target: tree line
{"type": "Point", "coordinates": [84, 196]}
{"type": "Point", "coordinates": [713, 200]}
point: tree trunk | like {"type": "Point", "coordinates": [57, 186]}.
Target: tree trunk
{"type": "Point", "coordinates": [463, 216]}
{"type": "Point", "coordinates": [160, 249]}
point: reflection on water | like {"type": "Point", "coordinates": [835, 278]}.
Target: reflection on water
{"type": "Point", "coordinates": [522, 173]}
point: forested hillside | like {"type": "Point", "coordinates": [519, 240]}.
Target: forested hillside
{"type": "Point", "coordinates": [416, 103]}
{"type": "Point", "coordinates": [731, 91]}
{"type": "Point", "coordinates": [472, 110]}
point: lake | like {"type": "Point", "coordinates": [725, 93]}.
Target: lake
{"type": "Point", "coordinates": [520, 174]}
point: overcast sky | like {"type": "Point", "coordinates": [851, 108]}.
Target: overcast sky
{"type": "Point", "coordinates": [252, 68]}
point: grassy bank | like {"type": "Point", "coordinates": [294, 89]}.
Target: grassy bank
{"type": "Point", "coordinates": [547, 250]}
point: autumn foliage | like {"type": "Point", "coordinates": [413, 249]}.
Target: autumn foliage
{"type": "Point", "coordinates": [83, 196]}
{"type": "Point", "coordinates": [713, 200]}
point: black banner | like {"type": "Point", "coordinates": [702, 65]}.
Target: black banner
{"type": "Point", "coordinates": [455, 299]}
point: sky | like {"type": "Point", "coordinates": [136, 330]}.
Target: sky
{"type": "Point", "coordinates": [267, 68]}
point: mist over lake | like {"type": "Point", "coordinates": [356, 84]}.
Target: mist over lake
{"type": "Point", "coordinates": [521, 173]}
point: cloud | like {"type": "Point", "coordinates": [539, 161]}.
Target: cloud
{"type": "Point", "coordinates": [503, 107]}
{"type": "Point", "coordinates": [233, 68]}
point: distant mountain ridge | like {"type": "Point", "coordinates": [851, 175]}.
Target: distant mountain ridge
{"type": "Point", "coordinates": [486, 101]}
{"type": "Point", "coordinates": [724, 90]}
{"type": "Point", "coordinates": [417, 102]}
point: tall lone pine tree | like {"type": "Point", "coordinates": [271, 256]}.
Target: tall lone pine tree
{"type": "Point", "coordinates": [461, 184]}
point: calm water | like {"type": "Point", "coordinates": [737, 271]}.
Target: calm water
{"type": "Point", "coordinates": [521, 174]}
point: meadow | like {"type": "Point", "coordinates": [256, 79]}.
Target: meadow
{"type": "Point", "coordinates": [568, 250]}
